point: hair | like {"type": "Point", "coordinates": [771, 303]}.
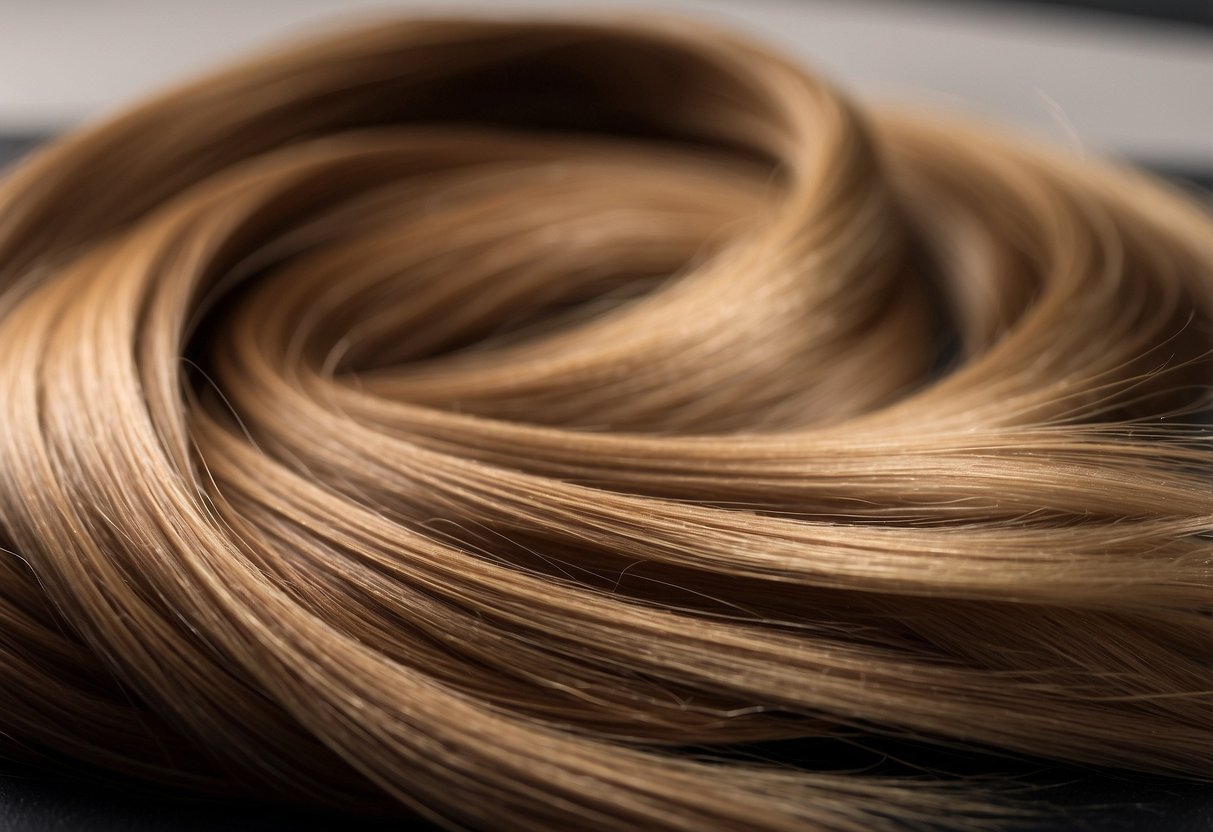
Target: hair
{"type": "Point", "coordinates": [472, 419]}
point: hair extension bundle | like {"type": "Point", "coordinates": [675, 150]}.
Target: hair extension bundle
{"type": "Point", "coordinates": [468, 418]}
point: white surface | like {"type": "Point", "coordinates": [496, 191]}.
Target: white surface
{"type": "Point", "coordinates": [1108, 84]}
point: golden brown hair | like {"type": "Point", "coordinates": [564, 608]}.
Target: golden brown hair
{"type": "Point", "coordinates": [470, 417]}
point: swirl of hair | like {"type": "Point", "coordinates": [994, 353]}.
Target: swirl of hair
{"type": "Point", "coordinates": [465, 418]}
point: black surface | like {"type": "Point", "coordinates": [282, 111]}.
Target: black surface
{"type": "Point", "coordinates": [32, 801]}
{"type": "Point", "coordinates": [1065, 799]}
{"type": "Point", "coordinates": [13, 147]}
{"type": "Point", "coordinates": [1184, 12]}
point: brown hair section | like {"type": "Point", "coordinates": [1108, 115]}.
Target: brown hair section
{"type": "Point", "coordinates": [456, 417]}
